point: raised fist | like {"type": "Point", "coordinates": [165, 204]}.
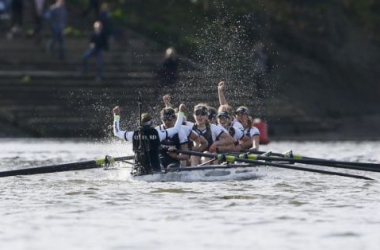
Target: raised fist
{"type": "Point", "coordinates": [116, 110]}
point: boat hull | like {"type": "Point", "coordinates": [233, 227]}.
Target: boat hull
{"type": "Point", "coordinates": [206, 173]}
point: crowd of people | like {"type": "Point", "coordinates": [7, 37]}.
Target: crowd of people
{"type": "Point", "coordinates": [224, 130]}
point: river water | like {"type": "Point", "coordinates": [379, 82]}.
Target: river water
{"type": "Point", "coordinates": [97, 209]}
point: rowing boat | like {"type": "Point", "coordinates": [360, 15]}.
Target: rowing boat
{"type": "Point", "coordinates": [205, 173]}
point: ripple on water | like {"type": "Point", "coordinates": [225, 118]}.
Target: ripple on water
{"type": "Point", "coordinates": [261, 213]}
{"type": "Point", "coordinates": [343, 234]}
{"type": "Point", "coordinates": [235, 197]}
{"type": "Point", "coordinates": [171, 190]}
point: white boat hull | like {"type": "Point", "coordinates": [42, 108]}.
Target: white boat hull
{"type": "Point", "coordinates": [208, 173]}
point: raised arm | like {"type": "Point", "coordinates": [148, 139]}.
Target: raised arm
{"type": "Point", "coordinates": [174, 130]}
{"type": "Point", "coordinates": [167, 100]}
{"type": "Point", "coordinates": [128, 136]}
{"type": "Point", "coordinates": [222, 98]}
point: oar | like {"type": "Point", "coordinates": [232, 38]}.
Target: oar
{"type": "Point", "coordinates": [299, 157]}
{"type": "Point", "coordinates": [308, 162]}
{"type": "Point", "coordinates": [231, 158]}
{"type": "Point", "coordinates": [65, 167]}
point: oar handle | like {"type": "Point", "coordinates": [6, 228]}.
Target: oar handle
{"type": "Point", "coordinates": [300, 157]}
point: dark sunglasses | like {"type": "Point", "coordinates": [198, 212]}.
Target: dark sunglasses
{"type": "Point", "coordinates": [200, 112]}
{"type": "Point", "coordinates": [242, 111]}
{"type": "Point", "coordinates": [167, 118]}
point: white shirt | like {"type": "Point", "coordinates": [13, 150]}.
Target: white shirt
{"type": "Point", "coordinates": [128, 135]}
{"type": "Point", "coordinates": [253, 131]}
{"type": "Point", "coordinates": [238, 133]}
{"type": "Point", "coordinates": [216, 131]}
{"type": "Point", "coordinates": [182, 136]}
{"type": "Point", "coordinates": [189, 124]}
{"type": "Point", "coordinates": [236, 124]}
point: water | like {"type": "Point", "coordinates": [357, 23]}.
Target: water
{"type": "Point", "coordinates": [97, 209]}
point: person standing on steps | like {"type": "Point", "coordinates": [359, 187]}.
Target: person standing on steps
{"type": "Point", "coordinates": [57, 14]}
{"type": "Point", "coordinates": [105, 19]}
{"type": "Point", "coordinates": [39, 9]}
{"type": "Point", "coordinates": [92, 5]}
{"type": "Point", "coordinates": [98, 44]}
{"type": "Point", "coordinates": [168, 72]}
{"type": "Point", "coordinates": [17, 11]}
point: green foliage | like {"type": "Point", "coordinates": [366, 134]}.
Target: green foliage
{"type": "Point", "coordinates": [178, 22]}
{"type": "Point", "coordinates": [366, 14]}
{"type": "Point", "coordinates": [72, 32]}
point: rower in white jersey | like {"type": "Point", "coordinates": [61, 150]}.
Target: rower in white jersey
{"type": "Point", "coordinates": [224, 120]}
{"type": "Point", "coordinates": [215, 135]}
{"type": "Point", "coordinates": [242, 115]}
{"type": "Point", "coordinates": [169, 158]}
{"type": "Point", "coordinates": [195, 141]}
{"type": "Point", "coordinates": [224, 107]}
{"type": "Point", "coordinates": [147, 138]}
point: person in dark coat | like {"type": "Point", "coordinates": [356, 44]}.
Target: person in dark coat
{"type": "Point", "coordinates": [39, 9]}
{"type": "Point", "coordinates": [168, 72]}
{"type": "Point", "coordinates": [58, 21]}
{"type": "Point", "coordinates": [98, 44]}
{"type": "Point", "coordinates": [105, 19]}
{"type": "Point", "coordinates": [17, 7]}
{"type": "Point", "coordinates": [92, 5]}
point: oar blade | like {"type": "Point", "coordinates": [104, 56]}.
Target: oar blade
{"type": "Point", "coordinates": [64, 167]}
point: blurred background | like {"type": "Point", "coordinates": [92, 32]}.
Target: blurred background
{"type": "Point", "coordinates": [310, 69]}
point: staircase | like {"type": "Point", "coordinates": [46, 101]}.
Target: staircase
{"type": "Point", "coordinates": [42, 96]}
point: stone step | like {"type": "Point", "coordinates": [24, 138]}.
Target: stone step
{"type": "Point", "coordinates": [76, 68]}
{"type": "Point", "coordinates": [76, 45]}
{"type": "Point", "coordinates": [52, 58]}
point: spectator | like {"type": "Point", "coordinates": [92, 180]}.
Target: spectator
{"type": "Point", "coordinates": [4, 6]}
{"type": "Point", "coordinates": [105, 19]}
{"type": "Point", "coordinates": [39, 8]}
{"type": "Point", "coordinates": [4, 9]}
{"type": "Point", "coordinates": [168, 72]}
{"type": "Point", "coordinates": [17, 7]}
{"type": "Point", "coordinates": [92, 5]}
{"type": "Point", "coordinates": [58, 20]}
{"type": "Point", "coordinates": [98, 44]}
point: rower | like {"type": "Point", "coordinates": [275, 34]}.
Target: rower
{"type": "Point", "coordinates": [235, 123]}
{"type": "Point", "coordinates": [215, 135]}
{"type": "Point", "coordinates": [195, 141]}
{"type": "Point", "coordinates": [168, 156]}
{"type": "Point", "coordinates": [146, 140]}
{"type": "Point", "coordinates": [242, 115]}
{"type": "Point", "coordinates": [240, 139]}
{"type": "Point", "coordinates": [212, 115]}
{"type": "Point", "coordinates": [225, 107]}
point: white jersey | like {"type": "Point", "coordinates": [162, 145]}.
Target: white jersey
{"type": "Point", "coordinates": [128, 135]}
{"type": "Point", "coordinates": [236, 124]}
{"type": "Point", "coordinates": [237, 135]}
{"type": "Point", "coordinates": [182, 135]}
{"type": "Point", "coordinates": [251, 132]}
{"type": "Point", "coordinates": [189, 124]}
{"type": "Point", "coordinates": [188, 130]}
{"type": "Point", "coordinates": [215, 130]}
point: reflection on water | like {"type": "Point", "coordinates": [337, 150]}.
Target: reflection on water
{"type": "Point", "coordinates": [97, 209]}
